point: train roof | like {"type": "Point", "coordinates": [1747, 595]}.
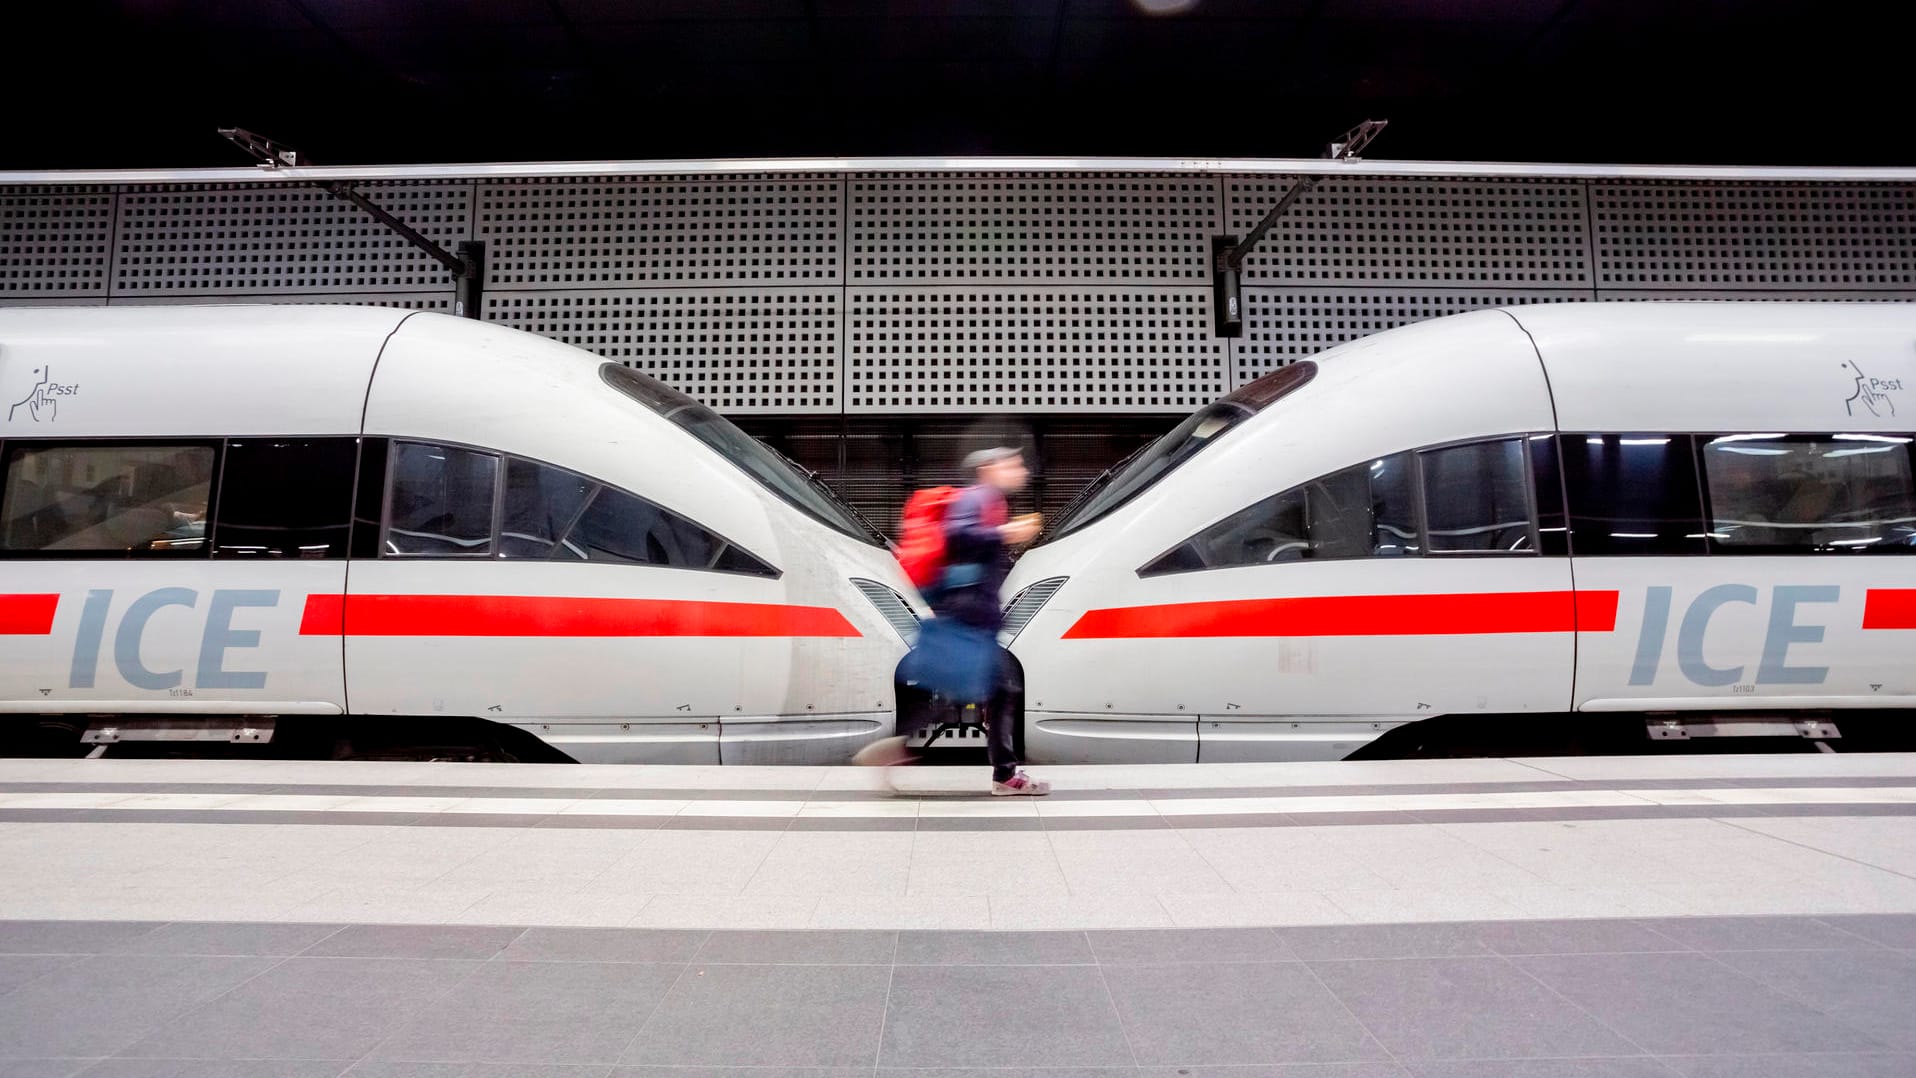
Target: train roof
{"type": "Point", "coordinates": [189, 370]}
{"type": "Point", "coordinates": [1727, 365]}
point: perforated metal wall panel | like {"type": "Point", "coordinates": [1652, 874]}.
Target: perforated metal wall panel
{"type": "Point", "coordinates": [1734, 237]}
{"type": "Point", "coordinates": [941, 228]}
{"type": "Point", "coordinates": [281, 239]}
{"type": "Point", "coordinates": [1058, 349]}
{"type": "Point", "coordinates": [55, 241]}
{"type": "Point", "coordinates": [569, 234]}
{"type": "Point", "coordinates": [740, 351]}
{"type": "Point", "coordinates": [1417, 233]}
{"type": "Point", "coordinates": [1286, 324]}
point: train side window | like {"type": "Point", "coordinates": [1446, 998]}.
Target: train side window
{"type": "Point", "coordinates": [618, 527]}
{"type": "Point", "coordinates": [1632, 495]}
{"type": "Point", "coordinates": [1366, 510]}
{"type": "Point", "coordinates": [1477, 498]}
{"type": "Point", "coordinates": [442, 498]}
{"type": "Point", "coordinates": [1777, 494]}
{"type": "Point", "coordinates": [285, 498]}
{"type": "Point", "coordinates": [97, 499]}
{"type": "Point", "coordinates": [541, 505]}
{"type": "Point", "coordinates": [555, 515]}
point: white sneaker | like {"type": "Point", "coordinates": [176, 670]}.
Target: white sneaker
{"type": "Point", "coordinates": [1020, 785]}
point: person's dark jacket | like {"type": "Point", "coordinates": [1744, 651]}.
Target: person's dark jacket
{"type": "Point", "coordinates": [976, 559]}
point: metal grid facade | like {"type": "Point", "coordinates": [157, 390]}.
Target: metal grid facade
{"type": "Point", "coordinates": [954, 293]}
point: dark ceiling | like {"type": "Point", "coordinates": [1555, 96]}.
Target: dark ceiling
{"type": "Point", "coordinates": [128, 83]}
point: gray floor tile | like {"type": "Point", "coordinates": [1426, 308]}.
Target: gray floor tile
{"type": "Point", "coordinates": [1889, 929]}
{"type": "Point", "coordinates": [1161, 945]}
{"type": "Point", "coordinates": [1224, 1013]}
{"type": "Point", "coordinates": [306, 1008]}
{"type": "Point", "coordinates": [217, 1068]}
{"type": "Point", "coordinates": [1874, 991]}
{"type": "Point", "coordinates": [42, 1068]}
{"type": "Point", "coordinates": [993, 949]}
{"type": "Point", "coordinates": [1002, 1016]}
{"type": "Point", "coordinates": [1756, 933]}
{"type": "Point", "coordinates": [102, 1004]}
{"type": "Point", "coordinates": [783, 1016]}
{"type": "Point", "coordinates": [604, 945]}
{"type": "Point", "coordinates": [399, 1068]}
{"type": "Point", "coordinates": [405, 1069]}
{"type": "Point", "coordinates": [1863, 1065]}
{"type": "Point", "coordinates": [769, 1072]}
{"type": "Point", "coordinates": [1465, 1008]}
{"type": "Point", "coordinates": [767, 1015]}
{"type": "Point", "coordinates": [1690, 1004]}
{"type": "Point", "coordinates": [1004, 1072]}
{"type": "Point", "coordinates": [193, 937]}
{"type": "Point", "coordinates": [1375, 1069]}
{"type": "Point", "coordinates": [1337, 942]}
{"type": "Point", "coordinates": [535, 1012]}
{"type": "Point", "coordinates": [416, 941]}
{"type": "Point", "coordinates": [69, 937]}
{"type": "Point", "coordinates": [1574, 937]}
{"type": "Point", "coordinates": [18, 969]}
{"type": "Point", "coordinates": [851, 948]}
{"type": "Point", "coordinates": [1540, 1068]}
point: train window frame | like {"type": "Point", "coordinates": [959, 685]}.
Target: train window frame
{"type": "Point", "coordinates": [1696, 541]}
{"type": "Point", "coordinates": [1415, 458]}
{"type": "Point", "coordinates": [201, 552]}
{"type": "Point", "coordinates": [726, 556]}
{"type": "Point", "coordinates": [393, 449]}
{"type": "Point", "coordinates": [216, 515]}
{"type": "Point", "coordinates": [1527, 470]}
{"type": "Point", "coordinates": [1715, 540]}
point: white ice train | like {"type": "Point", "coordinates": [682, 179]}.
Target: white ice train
{"type": "Point", "coordinates": [214, 515]}
{"type": "Point", "coordinates": [1678, 510]}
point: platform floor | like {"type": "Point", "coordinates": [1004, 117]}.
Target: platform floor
{"type": "Point", "coordinates": [1552, 918]}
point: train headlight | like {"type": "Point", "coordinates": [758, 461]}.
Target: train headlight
{"type": "Point", "coordinates": [1025, 605]}
{"type": "Point", "coordinates": [892, 607]}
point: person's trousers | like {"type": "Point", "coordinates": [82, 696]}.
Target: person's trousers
{"type": "Point", "coordinates": [1001, 719]}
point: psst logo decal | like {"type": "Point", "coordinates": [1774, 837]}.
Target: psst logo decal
{"type": "Point", "coordinates": [42, 402]}
{"type": "Point", "coordinates": [1871, 395]}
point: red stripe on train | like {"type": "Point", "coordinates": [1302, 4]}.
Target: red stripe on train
{"type": "Point", "coordinates": [541, 615]}
{"type": "Point", "coordinates": [1359, 615]}
{"type": "Point", "coordinates": [1889, 608]}
{"type": "Point", "coordinates": [27, 615]}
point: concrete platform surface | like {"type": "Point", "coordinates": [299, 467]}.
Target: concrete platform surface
{"type": "Point", "coordinates": [1710, 917]}
{"type": "Point", "coordinates": [1137, 847]}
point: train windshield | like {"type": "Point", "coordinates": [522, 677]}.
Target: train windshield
{"type": "Point", "coordinates": [802, 489]}
{"type": "Point", "coordinates": [1134, 475]}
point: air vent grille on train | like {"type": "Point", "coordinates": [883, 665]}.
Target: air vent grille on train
{"type": "Point", "coordinates": [1025, 605]}
{"type": "Point", "coordinates": [892, 607]}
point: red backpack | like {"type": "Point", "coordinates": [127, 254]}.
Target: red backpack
{"type": "Point", "coordinates": [921, 538]}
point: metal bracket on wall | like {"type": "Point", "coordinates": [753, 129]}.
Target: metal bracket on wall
{"type": "Point", "coordinates": [1228, 252]}
{"type": "Point", "coordinates": [467, 266]}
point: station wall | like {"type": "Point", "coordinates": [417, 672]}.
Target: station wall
{"type": "Point", "coordinates": [863, 322]}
